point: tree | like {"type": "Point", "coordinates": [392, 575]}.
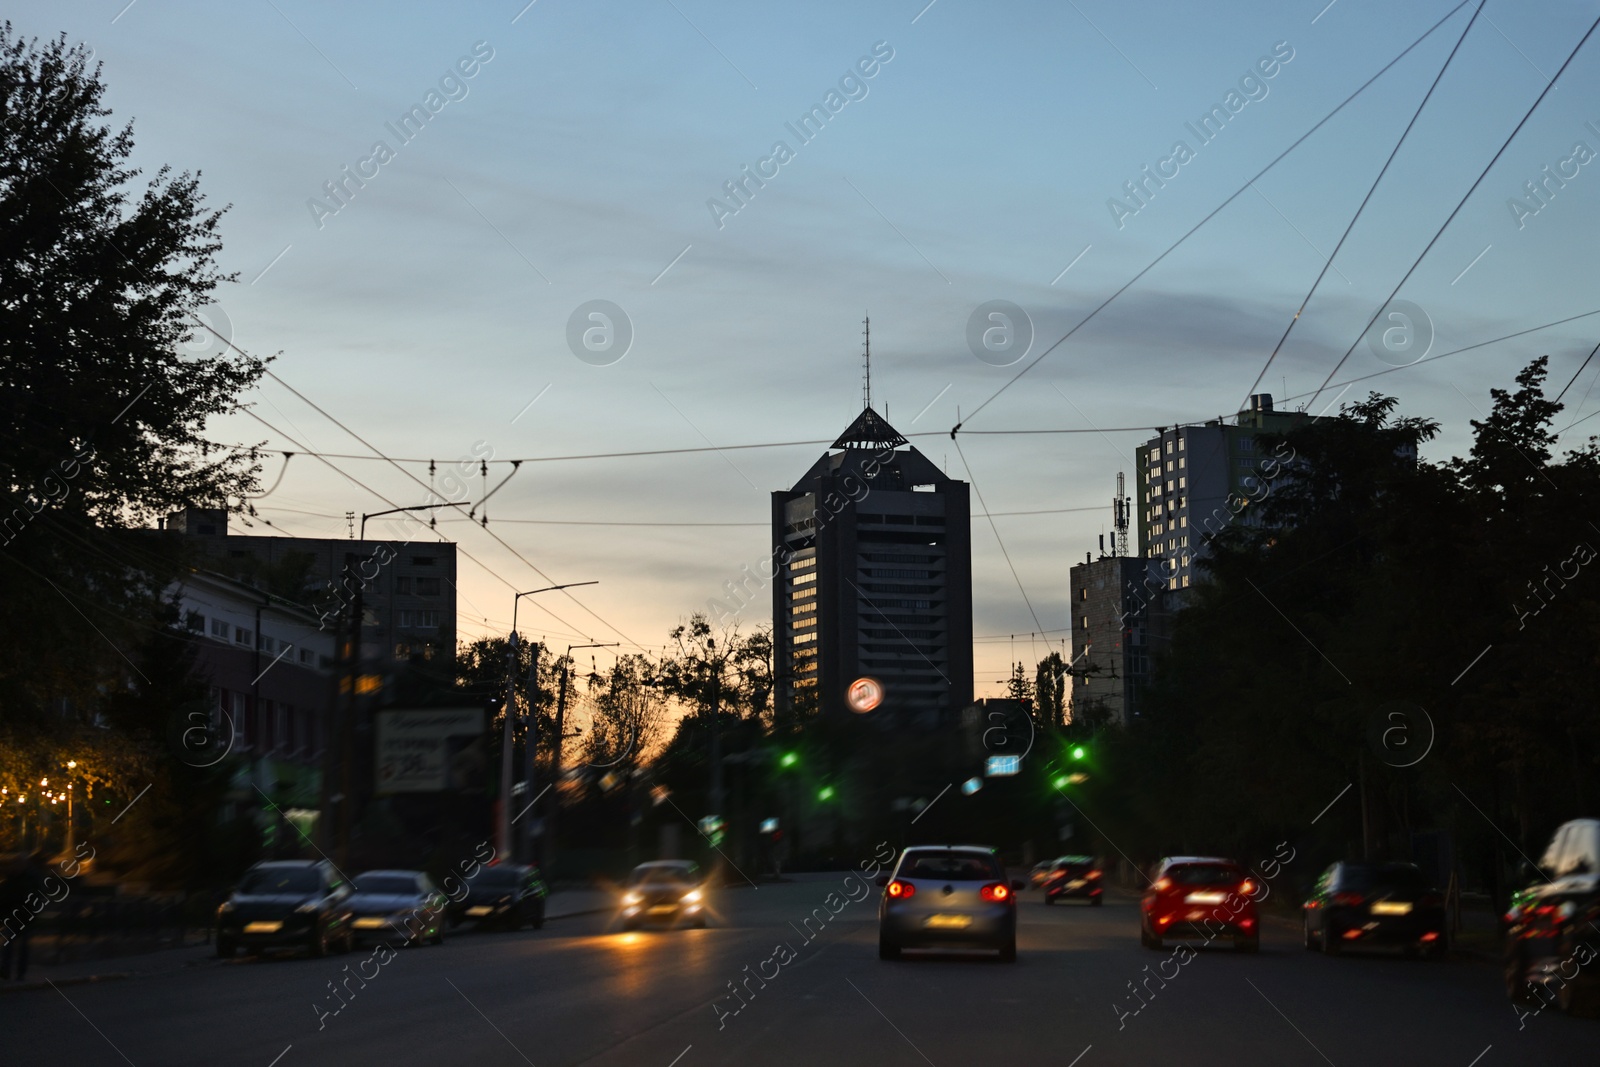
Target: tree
{"type": "Point", "coordinates": [1051, 685]}
{"type": "Point", "coordinates": [627, 716]}
{"type": "Point", "coordinates": [102, 417]}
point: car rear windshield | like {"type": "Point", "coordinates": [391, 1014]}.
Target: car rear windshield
{"type": "Point", "coordinates": [661, 876]}
{"type": "Point", "coordinates": [951, 866]}
{"type": "Point", "coordinates": [1204, 874]}
{"type": "Point", "coordinates": [270, 881]}
{"type": "Point", "coordinates": [1366, 879]}
{"type": "Point", "coordinates": [385, 883]}
{"type": "Point", "coordinates": [496, 877]}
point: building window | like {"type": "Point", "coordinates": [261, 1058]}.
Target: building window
{"type": "Point", "coordinates": [1083, 594]}
{"type": "Point", "coordinates": [802, 579]}
{"type": "Point", "coordinates": [1083, 622]}
{"type": "Point", "coordinates": [1169, 448]}
{"type": "Point", "coordinates": [427, 587]}
{"type": "Point", "coordinates": [422, 561]}
{"type": "Point", "coordinates": [1182, 462]}
{"type": "Point", "coordinates": [220, 628]}
{"type": "Point", "coordinates": [195, 621]}
{"type": "Point", "coordinates": [402, 584]}
{"type": "Point", "coordinates": [427, 620]}
{"type": "Point", "coordinates": [307, 656]}
{"type": "Point", "coordinates": [1183, 522]}
{"type": "Point", "coordinates": [1181, 442]}
{"type": "Point", "coordinates": [1247, 444]}
{"type": "Point", "coordinates": [241, 636]}
{"type": "Point", "coordinates": [1183, 483]}
{"type": "Point", "coordinates": [402, 652]}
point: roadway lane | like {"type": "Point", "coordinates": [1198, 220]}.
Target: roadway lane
{"type": "Point", "coordinates": [578, 993]}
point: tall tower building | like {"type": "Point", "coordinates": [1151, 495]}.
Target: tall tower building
{"type": "Point", "coordinates": [873, 551]}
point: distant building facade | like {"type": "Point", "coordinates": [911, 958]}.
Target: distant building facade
{"type": "Point", "coordinates": [1118, 607]}
{"type": "Point", "coordinates": [874, 553]}
{"type": "Point", "coordinates": [1195, 480]}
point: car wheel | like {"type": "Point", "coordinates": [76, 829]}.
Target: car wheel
{"type": "Point", "coordinates": [226, 949]}
{"type": "Point", "coordinates": [1249, 945]}
{"type": "Point", "coordinates": [887, 950]}
{"type": "Point", "coordinates": [319, 941]}
{"type": "Point", "coordinates": [1330, 943]}
{"type": "Point", "coordinates": [1148, 940]}
{"type": "Point", "coordinates": [1008, 951]}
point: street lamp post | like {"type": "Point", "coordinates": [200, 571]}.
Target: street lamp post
{"type": "Point", "coordinates": [72, 765]}
{"type": "Point", "coordinates": [503, 827]}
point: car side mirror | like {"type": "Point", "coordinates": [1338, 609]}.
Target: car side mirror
{"type": "Point", "coordinates": [883, 880]}
{"type": "Point", "coordinates": [1017, 883]}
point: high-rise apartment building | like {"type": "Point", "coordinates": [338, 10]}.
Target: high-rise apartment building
{"type": "Point", "coordinates": [873, 552]}
{"type": "Point", "coordinates": [1195, 480]}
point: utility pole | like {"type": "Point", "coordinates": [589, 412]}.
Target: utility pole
{"type": "Point", "coordinates": [507, 713]}
{"type": "Point", "coordinates": [561, 737]}
{"type": "Point", "coordinates": [530, 747]}
{"type": "Point", "coordinates": [347, 739]}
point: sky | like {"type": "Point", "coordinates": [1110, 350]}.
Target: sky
{"type": "Point", "coordinates": [427, 313]}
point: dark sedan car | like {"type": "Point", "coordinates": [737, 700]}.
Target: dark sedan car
{"type": "Point", "coordinates": [1074, 877]}
{"type": "Point", "coordinates": [507, 895]}
{"type": "Point", "coordinates": [665, 891]}
{"type": "Point", "coordinates": [399, 905]}
{"type": "Point", "coordinates": [287, 904]}
{"type": "Point", "coordinates": [1356, 904]}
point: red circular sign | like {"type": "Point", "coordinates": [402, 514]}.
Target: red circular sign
{"type": "Point", "coordinates": [865, 694]}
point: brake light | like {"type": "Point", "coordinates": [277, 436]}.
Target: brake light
{"type": "Point", "coordinates": [1247, 887]}
{"type": "Point", "coordinates": [1348, 898]}
{"type": "Point", "coordinates": [1430, 936]}
{"type": "Point", "coordinates": [1092, 875]}
{"type": "Point", "coordinates": [902, 890]}
{"type": "Point", "coordinates": [999, 892]}
{"type": "Point", "coordinates": [1162, 884]}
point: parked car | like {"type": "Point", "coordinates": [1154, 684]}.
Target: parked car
{"type": "Point", "coordinates": [1200, 898]}
{"type": "Point", "coordinates": [1552, 944]}
{"type": "Point", "coordinates": [507, 895]}
{"type": "Point", "coordinates": [1355, 904]}
{"type": "Point", "coordinates": [948, 896]}
{"type": "Point", "coordinates": [396, 904]}
{"type": "Point", "coordinates": [1072, 877]}
{"type": "Point", "coordinates": [287, 904]}
{"type": "Point", "coordinates": [664, 891]}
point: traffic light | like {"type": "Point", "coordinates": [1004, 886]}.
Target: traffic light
{"type": "Point", "coordinates": [1079, 752]}
{"type": "Point", "coordinates": [825, 793]}
{"type": "Point", "coordinates": [788, 759]}
{"type": "Point", "coordinates": [1060, 781]}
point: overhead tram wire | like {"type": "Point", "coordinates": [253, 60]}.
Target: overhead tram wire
{"type": "Point", "coordinates": [1214, 212]}
{"type": "Point", "coordinates": [379, 452]}
{"type": "Point", "coordinates": [974, 483]}
{"type": "Point", "coordinates": [367, 488]}
{"type": "Point", "coordinates": [1328, 265]}
{"type": "Point", "coordinates": [1579, 371]}
{"type": "Point", "coordinates": [1459, 205]}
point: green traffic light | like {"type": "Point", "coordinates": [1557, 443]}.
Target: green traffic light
{"type": "Point", "coordinates": [789, 759]}
{"type": "Point", "coordinates": [825, 793]}
{"type": "Point", "coordinates": [1061, 781]}
{"type": "Point", "coordinates": [1078, 752]}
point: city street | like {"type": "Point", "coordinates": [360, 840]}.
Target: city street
{"type": "Point", "coordinates": [579, 993]}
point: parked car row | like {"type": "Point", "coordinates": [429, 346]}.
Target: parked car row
{"type": "Point", "coordinates": [309, 905]}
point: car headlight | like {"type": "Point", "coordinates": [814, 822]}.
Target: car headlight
{"type": "Point", "coordinates": [631, 898]}
{"type": "Point", "coordinates": [692, 897]}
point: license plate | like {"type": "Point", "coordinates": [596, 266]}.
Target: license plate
{"type": "Point", "coordinates": [262, 928]}
{"type": "Point", "coordinates": [1205, 898]}
{"type": "Point", "coordinates": [663, 909]}
{"type": "Point", "coordinates": [948, 922]}
{"type": "Point", "coordinates": [1077, 883]}
{"type": "Point", "coordinates": [1390, 907]}
{"type": "Point", "coordinates": [477, 912]}
{"type": "Point", "coordinates": [369, 924]}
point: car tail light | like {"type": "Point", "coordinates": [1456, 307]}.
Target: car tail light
{"type": "Point", "coordinates": [1348, 898]}
{"type": "Point", "coordinates": [1351, 935]}
{"type": "Point", "coordinates": [1247, 922]}
{"type": "Point", "coordinates": [1162, 885]}
{"type": "Point", "coordinates": [1092, 875]}
{"type": "Point", "coordinates": [901, 890]}
{"type": "Point", "coordinates": [1430, 936]}
{"type": "Point", "coordinates": [1247, 887]}
{"type": "Point", "coordinates": [999, 892]}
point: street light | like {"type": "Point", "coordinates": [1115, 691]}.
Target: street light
{"type": "Point", "coordinates": [503, 830]}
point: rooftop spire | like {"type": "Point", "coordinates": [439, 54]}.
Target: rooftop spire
{"type": "Point", "coordinates": [866, 363]}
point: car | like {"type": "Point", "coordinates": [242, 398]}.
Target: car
{"type": "Point", "coordinates": [1200, 898]}
{"type": "Point", "coordinates": [1040, 873]}
{"type": "Point", "coordinates": [287, 904]}
{"type": "Point", "coordinates": [948, 896]}
{"type": "Point", "coordinates": [1355, 904]}
{"type": "Point", "coordinates": [664, 891]}
{"type": "Point", "coordinates": [1074, 876]}
{"type": "Point", "coordinates": [507, 896]}
{"type": "Point", "coordinates": [389, 903]}
{"type": "Point", "coordinates": [1552, 943]}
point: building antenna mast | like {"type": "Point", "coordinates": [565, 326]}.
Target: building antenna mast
{"type": "Point", "coordinates": [1119, 513]}
{"type": "Point", "coordinates": [866, 363]}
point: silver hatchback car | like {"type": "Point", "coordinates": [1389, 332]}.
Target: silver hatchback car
{"type": "Point", "coordinates": [948, 896]}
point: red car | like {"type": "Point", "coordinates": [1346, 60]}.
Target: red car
{"type": "Point", "coordinates": [1200, 898]}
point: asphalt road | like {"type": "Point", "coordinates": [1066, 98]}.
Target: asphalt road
{"type": "Point", "coordinates": [578, 992]}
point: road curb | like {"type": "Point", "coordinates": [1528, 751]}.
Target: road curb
{"type": "Point", "coordinates": [82, 979]}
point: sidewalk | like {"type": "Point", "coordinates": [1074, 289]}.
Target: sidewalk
{"type": "Point", "coordinates": [142, 960]}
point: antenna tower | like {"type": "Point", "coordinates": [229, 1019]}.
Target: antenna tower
{"type": "Point", "coordinates": [1119, 513]}
{"type": "Point", "coordinates": [866, 363]}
